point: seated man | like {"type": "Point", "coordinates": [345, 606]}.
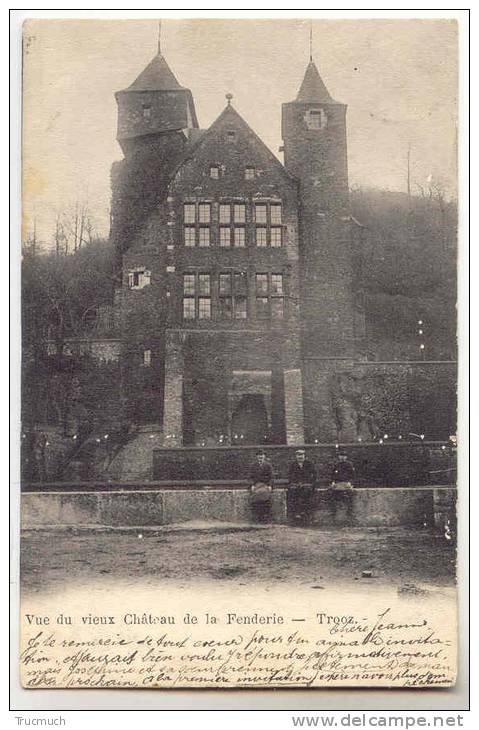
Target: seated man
{"type": "Point", "coordinates": [301, 477]}
{"type": "Point", "coordinates": [261, 476]}
{"type": "Point", "coordinates": [341, 487]}
{"type": "Point", "coordinates": [343, 473]}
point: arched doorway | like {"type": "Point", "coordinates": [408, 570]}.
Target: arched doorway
{"type": "Point", "coordinates": [249, 422]}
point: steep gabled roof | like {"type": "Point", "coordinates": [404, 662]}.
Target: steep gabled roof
{"type": "Point", "coordinates": [157, 76]}
{"type": "Point", "coordinates": [313, 88]}
{"type": "Point", "coordinates": [230, 114]}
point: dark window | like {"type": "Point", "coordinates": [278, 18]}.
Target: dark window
{"type": "Point", "coordinates": [262, 309]}
{"type": "Point", "coordinates": [233, 295]}
{"type": "Point", "coordinates": [225, 284]}
{"type": "Point", "coordinates": [261, 283]}
{"type": "Point", "coordinates": [269, 296]}
{"type": "Point", "coordinates": [196, 296]}
{"type": "Point", "coordinates": [225, 307]}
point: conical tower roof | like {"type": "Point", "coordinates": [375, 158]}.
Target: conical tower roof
{"type": "Point", "coordinates": [157, 76]}
{"type": "Point", "coordinates": [313, 88]}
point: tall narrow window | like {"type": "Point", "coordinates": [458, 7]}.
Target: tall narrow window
{"type": "Point", "coordinates": [233, 295]}
{"type": "Point", "coordinates": [189, 219]}
{"type": "Point", "coordinates": [276, 214]}
{"type": "Point", "coordinates": [276, 238]}
{"type": "Point", "coordinates": [240, 295]}
{"type": "Point", "coordinates": [261, 283]}
{"type": "Point", "coordinates": [261, 213]}
{"type": "Point", "coordinates": [190, 235]}
{"type": "Point", "coordinates": [240, 237]}
{"type": "Point", "coordinates": [225, 213]}
{"type": "Point", "coordinates": [204, 237]}
{"type": "Point", "coordinates": [146, 111]}
{"type": "Point", "coordinates": [269, 228]}
{"type": "Point", "coordinates": [269, 296]}
{"type": "Point", "coordinates": [204, 212]}
{"type": "Point", "coordinates": [189, 213]}
{"type": "Point", "coordinates": [204, 308]}
{"type": "Point", "coordinates": [204, 286]}
{"type": "Point", "coordinates": [225, 236]}
{"type": "Point", "coordinates": [146, 358]}
{"type": "Point", "coordinates": [261, 239]}
{"type": "Point", "coordinates": [225, 297]}
{"type": "Point", "coordinates": [189, 308]}
{"type": "Point", "coordinates": [196, 296]}
{"type": "Point", "coordinates": [277, 298]}
{"type": "Point", "coordinates": [240, 213]}
{"type": "Point", "coordinates": [276, 283]}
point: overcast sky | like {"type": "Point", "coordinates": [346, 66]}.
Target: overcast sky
{"type": "Point", "coordinates": [398, 78]}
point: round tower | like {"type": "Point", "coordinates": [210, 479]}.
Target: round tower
{"type": "Point", "coordinates": [314, 134]}
{"type": "Point", "coordinates": [154, 104]}
{"type": "Point", "coordinates": [155, 115]}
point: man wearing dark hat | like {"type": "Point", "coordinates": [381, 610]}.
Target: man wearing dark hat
{"type": "Point", "coordinates": [302, 478]}
{"type": "Point", "coordinates": [261, 477]}
{"type": "Point", "coordinates": [343, 472]}
{"type": "Point", "coordinates": [341, 490]}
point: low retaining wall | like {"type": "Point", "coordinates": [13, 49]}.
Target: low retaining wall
{"type": "Point", "coordinates": [388, 464]}
{"type": "Point", "coordinates": [430, 506]}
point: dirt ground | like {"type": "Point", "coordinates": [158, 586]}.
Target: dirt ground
{"type": "Point", "coordinates": [219, 552]}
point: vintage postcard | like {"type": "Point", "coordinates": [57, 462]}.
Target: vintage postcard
{"type": "Point", "coordinates": [239, 368]}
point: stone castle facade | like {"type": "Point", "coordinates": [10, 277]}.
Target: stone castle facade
{"type": "Point", "coordinates": [240, 299]}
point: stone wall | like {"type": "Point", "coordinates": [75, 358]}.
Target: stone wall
{"type": "Point", "coordinates": [347, 400]}
{"type": "Point", "coordinates": [388, 465]}
{"type": "Point", "coordinates": [153, 508]}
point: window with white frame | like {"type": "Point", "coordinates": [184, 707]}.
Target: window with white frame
{"type": "Point", "coordinates": [139, 278]}
{"type": "Point", "coordinates": [146, 358]}
{"type": "Point", "coordinates": [249, 173]}
{"type": "Point", "coordinates": [214, 172]}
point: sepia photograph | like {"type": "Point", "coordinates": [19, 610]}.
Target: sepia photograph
{"type": "Point", "coordinates": [239, 353]}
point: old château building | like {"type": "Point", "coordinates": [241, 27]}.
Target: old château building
{"type": "Point", "coordinates": [240, 308]}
